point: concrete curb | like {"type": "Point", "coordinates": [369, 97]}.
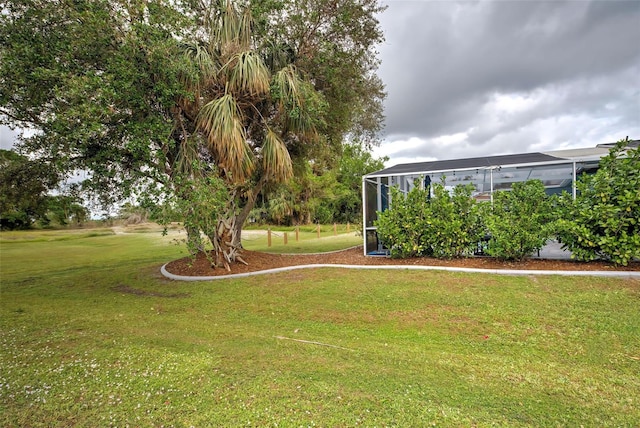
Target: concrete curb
{"type": "Point", "coordinates": [619, 274]}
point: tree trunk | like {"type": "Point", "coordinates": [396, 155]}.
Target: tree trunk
{"type": "Point", "coordinates": [244, 213]}
{"type": "Point", "coordinates": [225, 243]}
{"type": "Point", "coordinates": [227, 236]}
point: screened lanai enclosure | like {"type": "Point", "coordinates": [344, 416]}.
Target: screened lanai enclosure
{"type": "Point", "coordinates": [557, 170]}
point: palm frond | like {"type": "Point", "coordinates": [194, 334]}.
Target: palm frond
{"type": "Point", "coordinates": [221, 121]}
{"type": "Point", "coordinates": [290, 93]}
{"type": "Point", "coordinates": [244, 28]}
{"type": "Point", "coordinates": [277, 55]}
{"type": "Point", "coordinates": [300, 122]}
{"type": "Point", "coordinates": [204, 61]}
{"type": "Point", "coordinates": [232, 28]}
{"type": "Point", "coordinates": [247, 73]}
{"type": "Point", "coordinates": [287, 84]}
{"type": "Point", "coordinates": [187, 158]}
{"type": "Point", "coordinates": [201, 68]}
{"type": "Point", "coordinates": [276, 160]}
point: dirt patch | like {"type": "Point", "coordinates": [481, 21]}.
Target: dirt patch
{"type": "Point", "coordinates": [259, 261]}
{"type": "Point", "coordinates": [137, 292]}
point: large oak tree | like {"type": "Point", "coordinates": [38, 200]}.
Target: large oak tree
{"type": "Point", "coordinates": [160, 97]}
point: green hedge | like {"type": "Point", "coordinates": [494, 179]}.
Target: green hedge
{"type": "Point", "coordinates": [604, 220]}
{"type": "Point", "coordinates": [446, 225]}
{"type": "Point", "coordinates": [519, 222]}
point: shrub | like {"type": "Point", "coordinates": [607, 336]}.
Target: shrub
{"type": "Point", "coordinates": [519, 222]}
{"type": "Point", "coordinates": [604, 220]}
{"type": "Point", "coordinates": [456, 224]}
{"type": "Point", "coordinates": [402, 227]}
{"type": "Point", "coordinates": [445, 226]}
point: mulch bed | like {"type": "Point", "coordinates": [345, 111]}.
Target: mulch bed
{"type": "Point", "coordinates": [261, 261]}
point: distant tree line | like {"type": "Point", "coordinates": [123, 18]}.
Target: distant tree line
{"type": "Point", "coordinates": [25, 198]}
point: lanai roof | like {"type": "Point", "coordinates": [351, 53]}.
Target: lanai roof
{"type": "Point", "coordinates": [522, 159]}
{"type": "Point", "coordinates": [452, 164]}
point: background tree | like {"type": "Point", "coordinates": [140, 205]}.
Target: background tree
{"type": "Point", "coordinates": [322, 193]}
{"type": "Point", "coordinates": [355, 162]}
{"type": "Point", "coordinates": [133, 214]}
{"type": "Point", "coordinates": [66, 210]}
{"type": "Point", "coordinates": [24, 187]}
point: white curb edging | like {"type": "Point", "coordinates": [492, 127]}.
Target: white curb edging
{"type": "Point", "coordinates": [619, 274]}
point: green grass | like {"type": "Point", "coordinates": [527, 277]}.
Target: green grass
{"type": "Point", "coordinates": [92, 335]}
{"type": "Point", "coordinates": [308, 241]}
{"type": "Point", "coordinates": [52, 235]}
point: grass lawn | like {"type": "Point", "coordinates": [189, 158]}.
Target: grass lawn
{"type": "Point", "coordinates": [92, 335]}
{"type": "Point", "coordinates": [308, 242]}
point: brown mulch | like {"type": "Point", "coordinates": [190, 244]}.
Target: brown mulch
{"type": "Point", "coordinates": [262, 261]}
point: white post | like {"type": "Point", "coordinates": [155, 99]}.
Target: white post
{"type": "Point", "coordinates": [379, 194]}
{"type": "Point", "coordinates": [364, 215]}
{"type": "Point", "coordinates": [389, 185]}
{"type": "Point", "coordinates": [573, 183]}
{"type": "Point", "coordinates": [491, 170]}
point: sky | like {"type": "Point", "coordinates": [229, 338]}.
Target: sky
{"type": "Point", "coordinates": [469, 79]}
{"type": "Point", "coordinates": [7, 137]}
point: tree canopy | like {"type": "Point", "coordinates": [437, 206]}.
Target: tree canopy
{"type": "Point", "coordinates": [97, 81]}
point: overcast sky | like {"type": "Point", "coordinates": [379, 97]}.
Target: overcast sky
{"type": "Point", "coordinates": [467, 79]}
{"type": "Point", "coordinates": [7, 137]}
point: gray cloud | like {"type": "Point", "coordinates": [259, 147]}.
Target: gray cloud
{"type": "Point", "coordinates": [7, 137]}
{"type": "Point", "coordinates": [508, 76]}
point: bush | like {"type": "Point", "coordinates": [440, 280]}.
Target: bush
{"type": "Point", "coordinates": [604, 220]}
{"type": "Point", "coordinates": [519, 222]}
{"type": "Point", "coordinates": [323, 214]}
{"type": "Point", "coordinates": [401, 229]}
{"type": "Point", "coordinates": [447, 225]}
{"type": "Point", "coordinates": [15, 220]}
{"type": "Point", "coordinates": [456, 223]}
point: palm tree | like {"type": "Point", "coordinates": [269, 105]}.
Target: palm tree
{"type": "Point", "coordinates": [246, 102]}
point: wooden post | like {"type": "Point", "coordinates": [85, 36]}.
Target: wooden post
{"type": "Point", "coordinates": [335, 229]}
{"type": "Point", "coordinates": [318, 230]}
{"type": "Point", "coordinates": [297, 233]}
{"type": "Point", "coordinates": [268, 237]}
{"type": "Point", "coordinates": [286, 238]}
